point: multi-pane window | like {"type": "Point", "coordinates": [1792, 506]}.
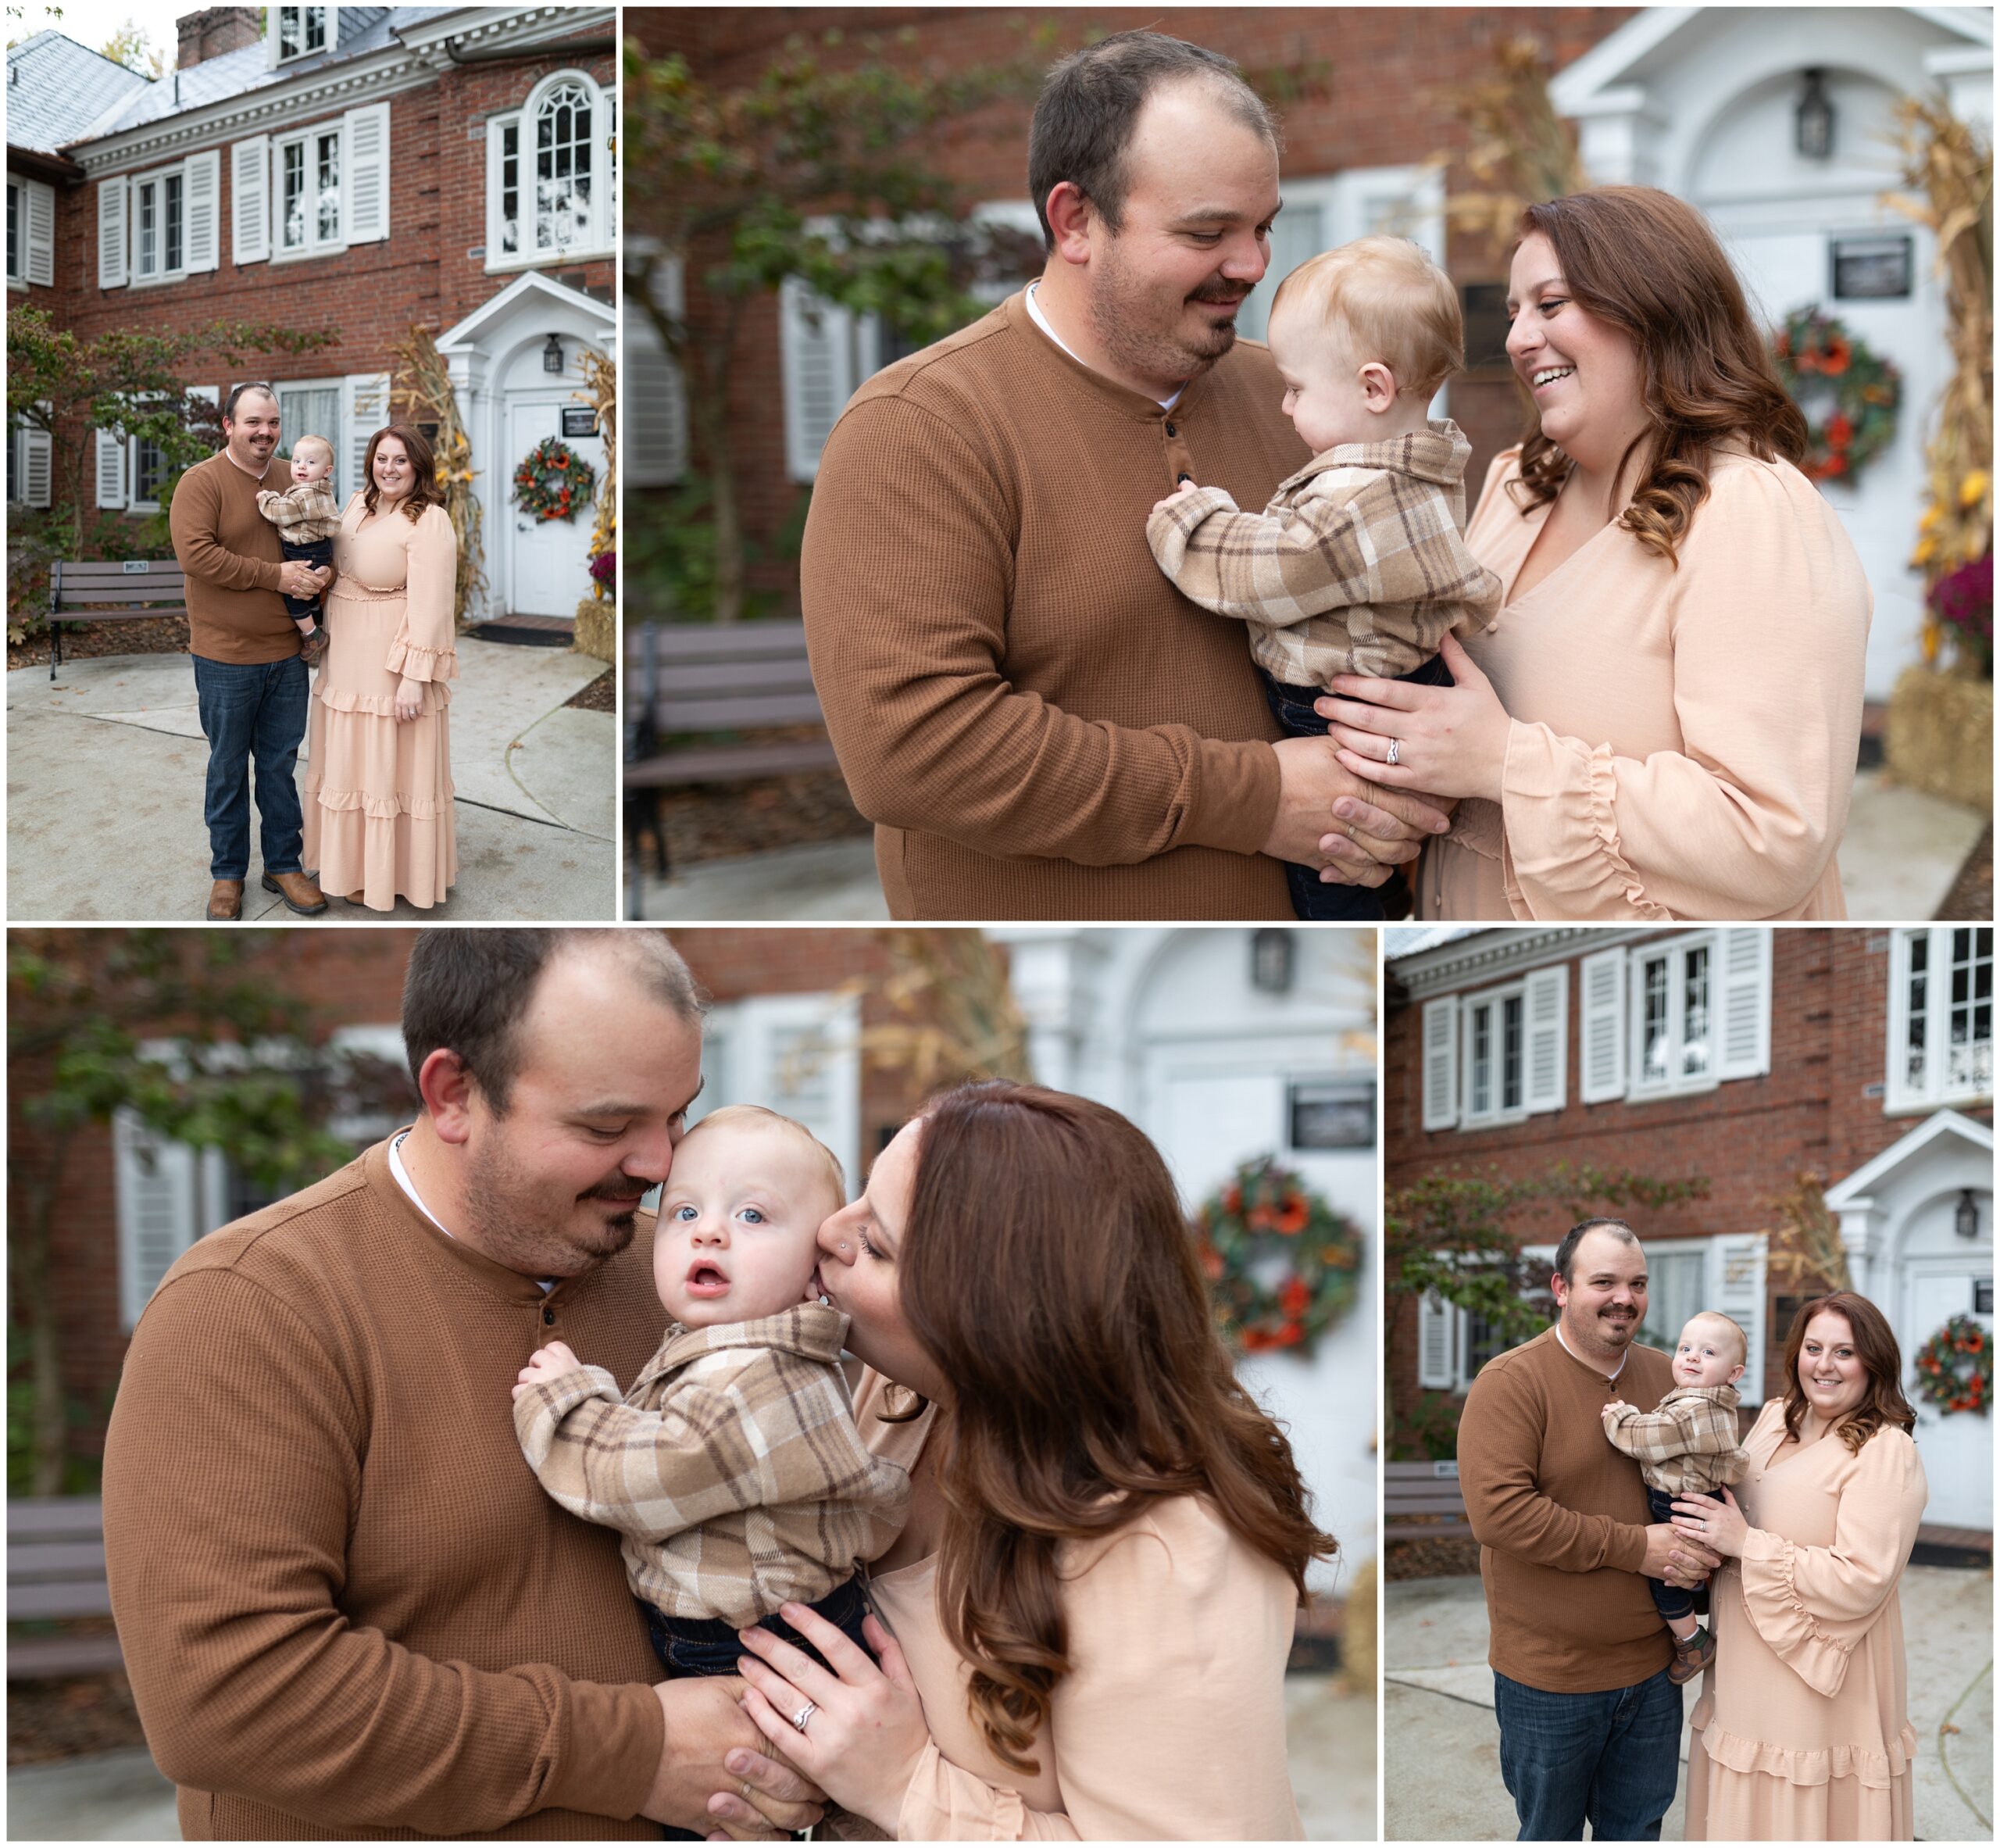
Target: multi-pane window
{"type": "Point", "coordinates": [549, 175]}
{"type": "Point", "coordinates": [1493, 1056]}
{"type": "Point", "coordinates": [158, 225]}
{"type": "Point", "coordinates": [310, 190]}
{"type": "Point", "coordinates": [148, 472]}
{"type": "Point", "coordinates": [562, 175]}
{"type": "Point", "coordinates": [301, 31]}
{"type": "Point", "coordinates": [509, 234]}
{"type": "Point", "coordinates": [1674, 1030]}
{"type": "Point", "coordinates": [16, 204]}
{"type": "Point", "coordinates": [1941, 1039]}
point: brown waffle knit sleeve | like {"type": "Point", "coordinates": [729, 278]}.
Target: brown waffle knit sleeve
{"type": "Point", "coordinates": [231, 1474]}
{"type": "Point", "coordinates": [906, 577]}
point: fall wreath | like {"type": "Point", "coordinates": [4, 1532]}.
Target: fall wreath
{"type": "Point", "coordinates": [554, 482]}
{"type": "Point", "coordinates": [1954, 1368]}
{"type": "Point", "coordinates": [1848, 394]}
{"type": "Point", "coordinates": [1282, 1266]}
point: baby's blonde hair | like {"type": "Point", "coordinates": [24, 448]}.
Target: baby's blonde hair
{"type": "Point", "coordinates": [320, 441]}
{"type": "Point", "coordinates": [747, 1115]}
{"type": "Point", "coordinates": [1735, 1327]}
{"type": "Point", "coordinates": [1392, 303]}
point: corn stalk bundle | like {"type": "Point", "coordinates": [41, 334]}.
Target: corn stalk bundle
{"type": "Point", "coordinates": [1520, 152]}
{"type": "Point", "coordinates": [601, 393]}
{"type": "Point", "coordinates": [1950, 174]}
{"type": "Point", "coordinates": [422, 383]}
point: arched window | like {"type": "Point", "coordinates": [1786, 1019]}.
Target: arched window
{"type": "Point", "coordinates": [549, 175]}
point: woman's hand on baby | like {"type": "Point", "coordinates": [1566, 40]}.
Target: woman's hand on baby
{"type": "Point", "coordinates": [1449, 740]}
{"type": "Point", "coordinates": [549, 1363]}
{"type": "Point", "coordinates": [1718, 1525]}
{"type": "Point", "coordinates": [866, 1733]}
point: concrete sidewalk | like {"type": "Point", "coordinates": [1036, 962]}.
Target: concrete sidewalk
{"type": "Point", "coordinates": [1901, 853]}
{"type": "Point", "coordinates": [119, 1796]}
{"type": "Point", "coordinates": [1441, 1762]}
{"type": "Point", "coordinates": [104, 770]}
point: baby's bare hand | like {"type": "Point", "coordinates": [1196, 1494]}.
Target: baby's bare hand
{"type": "Point", "coordinates": [546, 1362]}
{"type": "Point", "coordinates": [1180, 493]}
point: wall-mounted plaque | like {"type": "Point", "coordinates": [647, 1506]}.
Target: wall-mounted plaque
{"type": "Point", "coordinates": [579, 420]}
{"type": "Point", "coordinates": [1334, 1114]}
{"type": "Point", "coordinates": [1982, 1295]}
{"type": "Point", "coordinates": [1873, 269]}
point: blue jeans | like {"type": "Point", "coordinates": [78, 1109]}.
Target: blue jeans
{"type": "Point", "coordinates": [1316, 900]}
{"type": "Point", "coordinates": [1611, 1760]}
{"type": "Point", "coordinates": [252, 710]}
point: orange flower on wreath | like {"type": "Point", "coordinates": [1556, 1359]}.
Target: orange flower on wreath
{"type": "Point", "coordinates": [1294, 1299]}
{"type": "Point", "coordinates": [1840, 432]}
{"type": "Point", "coordinates": [1834, 360]}
{"type": "Point", "coordinates": [1291, 1221]}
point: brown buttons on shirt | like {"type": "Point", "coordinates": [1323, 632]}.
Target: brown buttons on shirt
{"type": "Point", "coordinates": [1171, 431]}
{"type": "Point", "coordinates": [548, 1316]}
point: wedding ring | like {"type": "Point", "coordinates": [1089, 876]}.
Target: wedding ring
{"type": "Point", "coordinates": [1393, 743]}
{"type": "Point", "coordinates": [804, 1714]}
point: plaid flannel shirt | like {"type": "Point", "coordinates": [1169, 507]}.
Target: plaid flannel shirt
{"type": "Point", "coordinates": [306, 511]}
{"type": "Point", "coordinates": [733, 1468]}
{"type": "Point", "coordinates": [1355, 566]}
{"type": "Point", "coordinates": [1688, 1445]}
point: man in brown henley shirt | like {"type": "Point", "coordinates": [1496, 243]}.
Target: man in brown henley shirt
{"type": "Point", "coordinates": [1039, 723]}
{"type": "Point", "coordinates": [249, 680]}
{"type": "Point", "coordinates": [1590, 1724]}
{"type": "Point", "coordinates": [347, 1608]}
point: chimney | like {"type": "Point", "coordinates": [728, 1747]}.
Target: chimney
{"type": "Point", "coordinates": [214, 31]}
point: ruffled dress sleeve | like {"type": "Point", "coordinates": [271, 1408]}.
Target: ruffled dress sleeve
{"type": "Point", "coordinates": [1769, 623]}
{"type": "Point", "coordinates": [1813, 1604]}
{"type": "Point", "coordinates": [425, 647]}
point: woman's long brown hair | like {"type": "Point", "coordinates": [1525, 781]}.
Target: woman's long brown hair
{"type": "Point", "coordinates": [424, 491]}
{"type": "Point", "coordinates": [1875, 1344]}
{"type": "Point", "coordinates": [1048, 1269]}
{"type": "Point", "coordinates": [1647, 263]}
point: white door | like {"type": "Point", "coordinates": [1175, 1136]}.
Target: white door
{"type": "Point", "coordinates": [547, 560]}
{"type": "Point", "coordinates": [1957, 1449]}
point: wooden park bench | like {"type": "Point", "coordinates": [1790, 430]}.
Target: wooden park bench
{"type": "Point", "coordinates": [687, 682]}
{"type": "Point", "coordinates": [1429, 1490]}
{"type": "Point", "coordinates": [56, 1569]}
{"type": "Point", "coordinates": [111, 590]}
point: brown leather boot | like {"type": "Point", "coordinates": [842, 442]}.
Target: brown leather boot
{"type": "Point", "coordinates": [299, 893]}
{"type": "Point", "coordinates": [225, 901]}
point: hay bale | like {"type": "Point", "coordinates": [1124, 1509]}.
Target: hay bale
{"type": "Point", "coordinates": [597, 628]}
{"type": "Point", "coordinates": [1939, 736]}
{"type": "Point", "coordinates": [1358, 1639]}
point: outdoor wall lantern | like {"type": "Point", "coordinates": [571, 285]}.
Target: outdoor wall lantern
{"type": "Point", "coordinates": [1813, 121]}
{"type": "Point", "coordinates": [551, 355]}
{"type": "Point", "coordinates": [1270, 961]}
{"type": "Point", "coordinates": [1964, 1221]}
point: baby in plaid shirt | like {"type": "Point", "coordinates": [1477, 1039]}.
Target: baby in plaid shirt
{"type": "Point", "coordinates": [306, 515]}
{"type": "Point", "coordinates": [1687, 1445]}
{"type": "Point", "coordinates": [1355, 565]}
{"type": "Point", "coordinates": [733, 1468]}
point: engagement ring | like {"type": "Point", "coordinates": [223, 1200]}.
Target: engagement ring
{"type": "Point", "coordinates": [804, 1714]}
{"type": "Point", "coordinates": [1393, 743]}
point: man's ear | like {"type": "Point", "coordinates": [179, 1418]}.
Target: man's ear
{"type": "Point", "coordinates": [447, 1089]}
{"type": "Point", "coordinates": [1070, 217]}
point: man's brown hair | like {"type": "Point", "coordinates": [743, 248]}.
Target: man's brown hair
{"type": "Point", "coordinates": [1048, 1269]}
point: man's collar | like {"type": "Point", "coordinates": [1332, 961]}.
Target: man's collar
{"type": "Point", "coordinates": [1592, 1364]}
{"type": "Point", "coordinates": [1041, 321]}
{"type": "Point", "coordinates": [254, 474]}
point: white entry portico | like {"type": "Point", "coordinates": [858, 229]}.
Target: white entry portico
{"type": "Point", "coordinates": [508, 401]}
{"type": "Point", "coordinates": [1901, 1220]}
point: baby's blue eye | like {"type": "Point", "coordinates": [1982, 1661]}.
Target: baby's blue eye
{"type": "Point", "coordinates": [754, 1216]}
{"type": "Point", "coordinates": [685, 1213]}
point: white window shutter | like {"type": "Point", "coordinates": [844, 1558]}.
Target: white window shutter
{"type": "Point", "coordinates": [250, 200]}
{"type": "Point", "coordinates": [656, 411]}
{"type": "Point", "coordinates": [364, 409]}
{"type": "Point", "coordinates": [41, 254]}
{"type": "Point", "coordinates": [1546, 1005]}
{"type": "Point", "coordinates": [1441, 1063]}
{"type": "Point", "coordinates": [156, 1182]}
{"type": "Point", "coordinates": [38, 466]}
{"type": "Point", "coordinates": [1736, 1287]}
{"type": "Point", "coordinates": [1743, 1048]}
{"type": "Point", "coordinates": [111, 216]}
{"type": "Point", "coordinates": [203, 191]}
{"type": "Point", "coordinates": [1436, 1324]}
{"type": "Point", "coordinates": [110, 469]}
{"type": "Point", "coordinates": [816, 348]}
{"type": "Point", "coordinates": [368, 174]}
{"type": "Point", "coordinates": [1603, 1051]}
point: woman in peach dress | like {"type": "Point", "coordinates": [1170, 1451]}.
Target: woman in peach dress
{"type": "Point", "coordinates": [1662, 720]}
{"type": "Point", "coordinates": [1803, 1734]}
{"type": "Point", "coordinates": [1082, 1630]}
{"type": "Point", "coordinates": [379, 820]}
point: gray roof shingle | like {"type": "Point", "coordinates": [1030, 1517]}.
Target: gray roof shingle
{"type": "Point", "coordinates": [56, 89]}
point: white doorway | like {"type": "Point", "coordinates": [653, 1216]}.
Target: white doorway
{"type": "Point", "coordinates": [547, 560]}
{"type": "Point", "coordinates": [1956, 1447]}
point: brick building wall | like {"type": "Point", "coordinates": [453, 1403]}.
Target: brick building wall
{"type": "Point", "coordinates": [1381, 73]}
{"type": "Point", "coordinates": [371, 295]}
{"type": "Point", "coordinates": [1813, 1112]}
